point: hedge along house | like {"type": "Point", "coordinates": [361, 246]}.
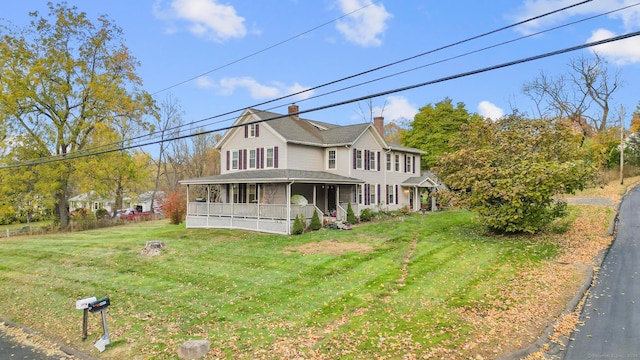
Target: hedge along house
{"type": "Point", "coordinates": [274, 167]}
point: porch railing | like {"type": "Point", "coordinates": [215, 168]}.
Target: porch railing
{"type": "Point", "coordinates": [342, 210]}
{"type": "Point", "coordinates": [266, 211]}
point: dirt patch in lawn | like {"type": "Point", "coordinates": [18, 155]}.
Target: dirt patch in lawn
{"type": "Point", "coordinates": [330, 247]}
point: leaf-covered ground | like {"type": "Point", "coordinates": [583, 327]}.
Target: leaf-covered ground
{"type": "Point", "coordinates": [433, 286]}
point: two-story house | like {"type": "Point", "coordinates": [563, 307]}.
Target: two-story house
{"type": "Point", "coordinates": [274, 167]}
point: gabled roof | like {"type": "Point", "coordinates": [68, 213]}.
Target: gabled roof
{"type": "Point", "coordinates": [311, 132]}
{"type": "Point", "coordinates": [274, 176]}
{"type": "Point", "coordinates": [426, 180]}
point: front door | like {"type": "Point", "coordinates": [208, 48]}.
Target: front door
{"type": "Point", "coordinates": [331, 198]}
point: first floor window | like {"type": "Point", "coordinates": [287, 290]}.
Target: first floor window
{"type": "Point", "coordinates": [390, 199]}
{"type": "Point", "coordinates": [372, 194]}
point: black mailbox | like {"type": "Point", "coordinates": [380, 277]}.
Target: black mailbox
{"type": "Point", "coordinates": [99, 305]}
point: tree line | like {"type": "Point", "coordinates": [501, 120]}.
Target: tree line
{"type": "Point", "coordinates": [69, 86]}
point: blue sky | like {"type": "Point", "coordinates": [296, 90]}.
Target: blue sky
{"type": "Point", "coordinates": [218, 56]}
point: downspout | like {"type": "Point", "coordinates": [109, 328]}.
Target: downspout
{"type": "Point", "coordinates": [386, 183]}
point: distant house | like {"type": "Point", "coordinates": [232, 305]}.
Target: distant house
{"type": "Point", "coordinates": [142, 202]}
{"type": "Point", "coordinates": [274, 167]}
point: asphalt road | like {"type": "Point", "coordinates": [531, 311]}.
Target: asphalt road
{"type": "Point", "coordinates": [611, 314]}
{"type": "Point", "coordinates": [13, 350]}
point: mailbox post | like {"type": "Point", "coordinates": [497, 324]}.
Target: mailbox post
{"type": "Point", "coordinates": [93, 305]}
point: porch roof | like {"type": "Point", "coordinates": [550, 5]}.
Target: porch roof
{"type": "Point", "coordinates": [425, 180]}
{"type": "Point", "coordinates": [274, 176]}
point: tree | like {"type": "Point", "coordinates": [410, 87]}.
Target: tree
{"type": "Point", "coordinates": [59, 78]}
{"type": "Point", "coordinates": [315, 221]}
{"type": "Point", "coordinates": [508, 171]}
{"type": "Point", "coordinates": [583, 95]}
{"type": "Point", "coordinates": [351, 216]}
{"type": "Point", "coordinates": [435, 127]}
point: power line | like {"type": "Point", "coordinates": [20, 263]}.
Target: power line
{"type": "Point", "coordinates": [384, 93]}
{"type": "Point", "coordinates": [263, 50]}
{"type": "Point", "coordinates": [150, 136]}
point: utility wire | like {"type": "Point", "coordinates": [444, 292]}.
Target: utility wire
{"type": "Point", "coordinates": [263, 50]}
{"type": "Point", "coordinates": [357, 74]}
{"type": "Point", "coordinates": [384, 93]}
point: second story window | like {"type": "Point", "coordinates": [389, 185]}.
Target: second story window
{"type": "Point", "coordinates": [372, 160]}
{"type": "Point", "coordinates": [331, 159]}
{"type": "Point", "coordinates": [397, 163]}
{"type": "Point", "coordinates": [388, 162]}
{"type": "Point", "coordinates": [269, 157]}
{"type": "Point", "coordinates": [235, 156]}
{"type": "Point", "coordinates": [252, 158]}
{"type": "Point", "coordinates": [408, 164]}
{"type": "Point", "coordinates": [359, 163]}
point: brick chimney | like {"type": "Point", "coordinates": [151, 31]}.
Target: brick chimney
{"type": "Point", "coordinates": [378, 123]}
{"type": "Point", "coordinates": [293, 109]}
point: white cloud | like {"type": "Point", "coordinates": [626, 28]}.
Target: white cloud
{"type": "Point", "coordinates": [619, 52]}
{"type": "Point", "coordinates": [396, 108]}
{"type": "Point", "coordinates": [531, 8]}
{"type": "Point", "coordinates": [490, 110]}
{"type": "Point", "coordinates": [227, 86]}
{"type": "Point", "coordinates": [205, 18]}
{"type": "Point", "coordinates": [363, 26]}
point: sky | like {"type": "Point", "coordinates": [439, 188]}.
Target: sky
{"type": "Point", "coordinates": [216, 57]}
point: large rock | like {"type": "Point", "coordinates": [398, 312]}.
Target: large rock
{"type": "Point", "coordinates": [193, 349]}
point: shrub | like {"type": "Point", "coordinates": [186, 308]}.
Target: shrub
{"type": "Point", "coordinates": [365, 215]}
{"type": "Point", "coordinates": [174, 207]}
{"type": "Point", "coordinates": [351, 217]}
{"type": "Point", "coordinates": [315, 221]}
{"type": "Point", "coordinates": [102, 213]}
{"type": "Point", "coordinates": [298, 225]}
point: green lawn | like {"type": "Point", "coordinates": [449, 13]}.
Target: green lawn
{"type": "Point", "coordinates": [256, 296]}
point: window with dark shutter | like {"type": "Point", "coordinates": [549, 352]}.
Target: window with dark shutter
{"type": "Point", "coordinates": [414, 164]}
{"type": "Point", "coordinates": [228, 159]}
{"type": "Point", "coordinates": [257, 130]}
{"type": "Point", "coordinates": [378, 160]}
{"type": "Point", "coordinates": [396, 194]}
{"type": "Point", "coordinates": [379, 191]}
{"type": "Point", "coordinates": [244, 155]}
{"type": "Point", "coordinates": [246, 131]}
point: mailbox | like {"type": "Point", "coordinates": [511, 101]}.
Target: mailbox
{"type": "Point", "coordinates": [99, 305]}
{"type": "Point", "coordinates": [93, 305]}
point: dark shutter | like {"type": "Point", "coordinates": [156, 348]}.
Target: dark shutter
{"type": "Point", "coordinates": [246, 131]}
{"type": "Point", "coordinates": [261, 158]}
{"type": "Point", "coordinates": [366, 160]}
{"type": "Point", "coordinates": [379, 192]}
{"type": "Point", "coordinates": [275, 157]}
{"type": "Point", "coordinates": [413, 162]}
{"type": "Point", "coordinates": [244, 155]}
{"type": "Point", "coordinates": [396, 194]}
{"type": "Point", "coordinates": [228, 155]}
{"type": "Point", "coordinates": [378, 160]}
{"type": "Point", "coordinates": [355, 158]}
{"type": "Point", "coordinates": [366, 194]}
{"type": "Point", "coordinates": [405, 162]}
{"type": "Point", "coordinates": [239, 159]}
{"type": "Point", "coordinates": [257, 130]}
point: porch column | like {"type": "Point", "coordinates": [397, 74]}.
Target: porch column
{"type": "Point", "coordinates": [188, 199]}
{"type": "Point", "coordinates": [258, 205]}
{"type": "Point", "coordinates": [315, 194]}
{"type": "Point", "coordinates": [289, 208]}
{"type": "Point", "coordinates": [233, 211]}
{"type": "Point", "coordinates": [337, 196]}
